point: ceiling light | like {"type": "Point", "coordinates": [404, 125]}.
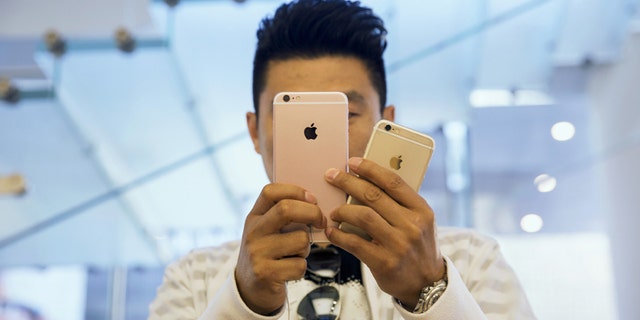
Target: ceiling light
{"type": "Point", "coordinates": [531, 223]}
{"type": "Point", "coordinates": [563, 131]}
{"type": "Point", "coordinates": [545, 183]}
{"type": "Point", "coordinates": [482, 98]}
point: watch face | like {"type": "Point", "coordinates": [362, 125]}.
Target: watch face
{"type": "Point", "coordinates": [432, 294]}
{"type": "Point", "coordinates": [429, 296]}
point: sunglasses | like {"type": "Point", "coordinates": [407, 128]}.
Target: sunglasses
{"type": "Point", "coordinates": [323, 268]}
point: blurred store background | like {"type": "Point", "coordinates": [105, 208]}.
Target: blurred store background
{"type": "Point", "coordinates": [123, 141]}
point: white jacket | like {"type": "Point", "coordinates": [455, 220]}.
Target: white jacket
{"type": "Point", "coordinates": [481, 285]}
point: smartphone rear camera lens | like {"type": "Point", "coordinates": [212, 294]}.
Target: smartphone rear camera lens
{"type": "Point", "coordinates": [286, 98]}
{"type": "Point", "coordinates": [387, 127]}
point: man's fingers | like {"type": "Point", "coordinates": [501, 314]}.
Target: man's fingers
{"type": "Point", "coordinates": [367, 193]}
{"type": "Point", "coordinates": [366, 219]}
{"type": "Point", "coordinates": [274, 192]}
{"type": "Point", "coordinates": [281, 205]}
{"type": "Point", "coordinates": [281, 245]}
{"type": "Point", "coordinates": [387, 180]}
{"type": "Point", "coordinates": [287, 212]}
{"type": "Point", "coordinates": [287, 269]}
{"type": "Point", "coordinates": [360, 248]}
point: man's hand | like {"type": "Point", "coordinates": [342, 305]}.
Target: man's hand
{"type": "Point", "coordinates": [269, 257]}
{"type": "Point", "coordinates": [403, 255]}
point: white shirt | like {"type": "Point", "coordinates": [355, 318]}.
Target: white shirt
{"type": "Point", "coordinates": [481, 285]}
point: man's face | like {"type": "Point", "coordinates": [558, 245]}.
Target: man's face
{"type": "Point", "coordinates": [331, 73]}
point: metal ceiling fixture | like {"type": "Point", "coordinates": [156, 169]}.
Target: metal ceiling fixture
{"type": "Point", "coordinates": [13, 185]}
{"type": "Point", "coordinates": [125, 41]}
{"type": "Point", "coordinates": [172, 3]}
{"type": "Point", "coordinates": [8, 92]}
{"type": "Point", "coordinates": [55, 43]}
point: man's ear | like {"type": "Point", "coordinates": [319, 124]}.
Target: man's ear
{"type": "Point", "coordinates": [252, 126]}
{"type": "Point", "coordinates": [389, 113]}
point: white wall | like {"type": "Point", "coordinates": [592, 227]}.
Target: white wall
{"type": "Point", "coordinates": [565, 275]}
{"type": "Point", "coordinates": [615, 101]}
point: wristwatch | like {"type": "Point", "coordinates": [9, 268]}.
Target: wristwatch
{"type": "Point", "coordinates": [430, 294]}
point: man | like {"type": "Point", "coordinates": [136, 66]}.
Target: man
{"type": "Point", "coordinates": [410, 270]}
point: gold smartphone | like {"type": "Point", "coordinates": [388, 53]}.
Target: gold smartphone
{"type": "Point", "coordinates": [311, 135]}
{"type": "Point", "coordinates": [400, 149]}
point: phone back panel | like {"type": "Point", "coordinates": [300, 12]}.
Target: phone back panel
{"type": "Point", "coordinates": [401, 150]}
{"type": "Point", "coordinates": [310, 135]}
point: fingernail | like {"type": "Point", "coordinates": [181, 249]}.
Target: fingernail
{"type": "Point", "coordinates": [308, 197]}
{"type": "Point", "coordinates": [355, 162]}
{"type": "Point", "coordinates": [331, 174]}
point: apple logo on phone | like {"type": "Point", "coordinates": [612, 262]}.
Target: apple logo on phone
{"type": "Point", "coordinates": [395, 162]}
{"type": "Point", "coordinates": [310, 132]}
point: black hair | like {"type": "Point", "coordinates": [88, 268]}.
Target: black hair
{"type": "Point", "coordinates": [310, 29]}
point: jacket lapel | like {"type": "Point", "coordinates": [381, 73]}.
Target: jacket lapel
{"type": "Point", "coordinates": [379, 301]}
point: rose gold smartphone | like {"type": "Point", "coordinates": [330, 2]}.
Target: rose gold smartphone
{"type": "Point", "coordinates": [311, 135]}
{"type": "Point", "coordinates": [401, 150]}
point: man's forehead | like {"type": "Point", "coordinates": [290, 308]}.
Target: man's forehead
{"type": "Point", "coordinates": [327, 73]}
{"type": "Point", "coordinates": [355, 96]}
